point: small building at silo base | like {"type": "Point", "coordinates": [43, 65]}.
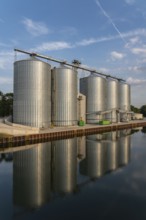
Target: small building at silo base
{"type": "Point", "coordinates": [81, 107]}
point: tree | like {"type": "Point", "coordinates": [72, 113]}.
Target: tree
{"type": "Point", "coordinates": [6, 104]}
{"type": "Point", "coordinates": [143, 110]}
{"type": "Point", "coordinates": [135, 109]}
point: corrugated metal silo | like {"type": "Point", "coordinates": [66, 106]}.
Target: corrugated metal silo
{"type": "Point", "coordinates": [94, 88]}
{"type": "Point", "coordinates": [112, 99]}
{"type": "Point", "coordinates": [124, 96]}
{"type": "Point", "coordinates": [32, 93]}
{"type": "Point", "coordinates": [64, 96]}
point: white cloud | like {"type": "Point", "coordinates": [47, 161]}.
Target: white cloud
{"type": "Point", "coordinates": [139, 51]}
{"type": "Point", "coordinates": [55, 45]}
{"type": "Point", "coordinates": [103, 70]}
{"type": "Point", "coordinates": [132, 41]}
{"type": "Point", "coordinates": [130, 2]}
{"type": "Point", "coordinates": [134, 81]}
{"type": "Point", "coordinates": [137, 69]}
{"type": "Point", "coordinates": [117, 56]}
{"type": "Point", "coordinates": [60, 45]}
{"type": "Point", "coordinates": [134, 34]}
{"type": "Point", "coordinates": [86, 42]}
{"type": "Point", "coordinates": [35, 28]}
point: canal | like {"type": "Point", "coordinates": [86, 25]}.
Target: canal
{"type": "Point", "coordinates": [100, 176]}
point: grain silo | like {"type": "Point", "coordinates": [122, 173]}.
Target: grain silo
{"type": "Point", "coordinates": [112, 99]}
{"type": "Point", "coordinates": [124, 101]}
{"type": "Point", "coordinates": [94, 88]}
{"type": "Point", "coordinates": [64, 96]}
{"type": "Point", "coordinates": [32, 93]}
{"type": "Point", "coordinates": [124, 96]}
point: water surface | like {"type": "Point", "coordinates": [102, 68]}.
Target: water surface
{"type": "Point", "coordinates": [100, 176]}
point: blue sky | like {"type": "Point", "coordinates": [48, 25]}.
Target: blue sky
{"type": "Point", "coordinates": [107, 35]}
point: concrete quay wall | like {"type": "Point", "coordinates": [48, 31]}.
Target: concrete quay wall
{"type": "Point", "coordinates": [56, 133]}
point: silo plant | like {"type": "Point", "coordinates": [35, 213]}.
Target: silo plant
{"type": "Point", "coordinates": [94, 88]}
{"type": "Point", "coordinates": [32, 93]}
{"type": "Point", "coordinates": [64, 96]}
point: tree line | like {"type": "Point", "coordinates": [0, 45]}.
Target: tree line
{"type": "Point", "coordinates": [6, 105]}
{"type": "Point", "coordinates": [141, 110]}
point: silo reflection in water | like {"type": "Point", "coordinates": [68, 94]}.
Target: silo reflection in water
{"type": "Point", "coordinates": [64, 165]}
{"type": "Point", "coordinates": [124, 149]}
{"type": "Point", "coordinates": [81, 152]}
{"type": "Point", "coordinates": [95, 159]}
{"type": "Point", "coordinates": [112, 148]}
{"type": "Point", "coordinates": [112, 159]}
{"type": "Point", "coordinates": [31, 176]}
{"type": "Point", "coordinates": [94, 163]}
{"type": "Point", "coordinates": [105, 153]}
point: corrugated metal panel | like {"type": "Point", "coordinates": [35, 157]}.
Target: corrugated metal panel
{"type": "Point", "coordinates": [124, 96]}
{"type": "Point", "coordinates": [112, 94]}
{"type": "Point", "coordinates": [32, 93]}
{"type": "Point", "coordinates": [94, 88]}
{"type": "Point", "coordinates": [64, 96]}
{"type": "Point", "coordinates": [112, 99]}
